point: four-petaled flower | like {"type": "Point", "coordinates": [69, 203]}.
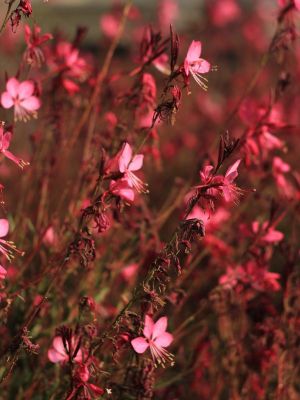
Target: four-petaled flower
{"type": "Point", "coordinates": [195, 65]}
{"type": "Point", "coordinates": [156, 338]}
{"type": "Point", "coordinates": [20, 95]}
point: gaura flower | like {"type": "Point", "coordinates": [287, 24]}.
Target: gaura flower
{"type": "Point", "coordinates": [60, 352]}
{"type": "Point", "coordinates": [195, 65]}
{"type": "Point", "coordinates": [7, 248]}
{"type": "Point", "coordinates": [5, 139]}
{"type": "Point", "coordinates": [156, 338]}
{"type": "Point", "coordinates": [128, 164]}
{"type": "Point", "coordinates": [20, 95]}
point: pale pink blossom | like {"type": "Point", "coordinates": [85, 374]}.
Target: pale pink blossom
{"type": "Point", "coordinates": [156, 339]}
{"type": "Point", "coordinates": [195, 65]}
{"type": "Point", "coordinates": [7, 248]}
{"type": "Point", "coordinates": [5, 138]}
{"type": "Point", "coordinates": [20, 96]}
{"type": "Point", "coordinates": [129, 164]}
{"type": "Point", "coordinates": [60, 352]}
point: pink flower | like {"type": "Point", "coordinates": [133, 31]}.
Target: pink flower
{"type": "Point", "coordinates": [195, 65]}
{"type": "Point", "coordinates": [33, 54]}
{"type": "Point", "coordinates": [128, 164]}
{"type": "Point", "coordinates": [229, 190]}
{"type": "Point", "coordinates": [156, 338]}
{"type": "Point", "coordinates": [7, 248]}
{"type": "Point", "coordinates": [5, 139]}
{"type": "Point", "coordinates": [269, 234]}
{"type": "Point", "coordinates": [61, 353]}
{"type": "Point", "coordinates": [20, 95]}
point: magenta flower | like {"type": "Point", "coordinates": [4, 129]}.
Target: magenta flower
{"type": "Point", "coordinates": [5, 139]}
{"type": "Point", "coordinates": [195, 65]}
{"type": "Point", "coordinates": [20, 95]}
{"type": "Point", "coordinates": [61, 353]}
{"type": "Point", "coordinates": [128, 164]}
{"type": "Point", "coordinates": [156, 338]}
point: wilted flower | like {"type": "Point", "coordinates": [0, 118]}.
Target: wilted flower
{"type": "Point", "coordinates": [33, 54]}
{"type": "Point", "coordinates": [5, 139]}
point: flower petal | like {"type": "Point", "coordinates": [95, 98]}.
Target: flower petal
{"type": "Point", "coordinates": [55, 357]}
{"type": "Point", "coordinates": [164, 340]}
{"type": "Point", "coordinates": [232, 173]}
{"type": "Point", "coordinates": [6, 100]}
{"type": "Point", "coordinates": [136, 163]}
{"type": "Point", "coordinates": [12, 87]}
{"type": "Point", "coordinates": [32, 103]}
{"type": "Point", "coordinates": [4, 227]}
{"type": "Point", "coordinates": [140, 344]}
{"type": "Point", "coordinates": [160, 327]}
{"type": "Point", "coordinates": [3, 272]}
{"type": "Point", "coordinates": [125, 157]}
{"type": "Point", "coordinates": [201, 66]}
{"type": "Point", "coordinates": [25, 90]}
{"type": "Point", "coordinates": [194, 51]}
{"type": "Point", "coordinates": [148, 327]}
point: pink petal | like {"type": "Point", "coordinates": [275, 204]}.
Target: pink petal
{"type": "Point", "coordinates": [232, 173]}
{"type": "Point", "coordinates": [159, 327]}
{"type": "Point", "coordinates": [25, 90]}
{"type": "Point", "coordinates": [273, 236]}
{"type": "Point", "coordinates": [202, 66]}
{"type": "Point", "coordinates": [6, 100]}
{"type": "Point", "coordinates": [194, 51]}
{"type": "Point", "coordinates": [12, 87]}
{"type": "Point", "coordinates": [164, 340]}
{"type": "Point", "coordinates": [4, 227]}
{"type": "Point", "coordinates": [140, 345]}
{"type": "Point", "coordinates": [58, 345]}
{"type": "Point", "coordinates": [32, 103]}
{"type": "Point", "coordinates": [125, 157]}
{"type": "Point", "coordinates": [297, 4]}
{"type": "Point", "coordinates": [56, 357]}
{"type": "Point", "coordinates": [3, 272]}
{"type": "Point", "coordinates": [148, 327]}
{"type": "Point", "coordinates": [136, 163]}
